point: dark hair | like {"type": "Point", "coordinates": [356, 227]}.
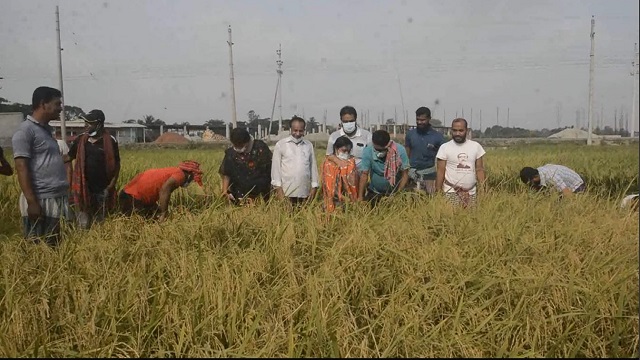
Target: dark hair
{"type": "Point", "coordinates": [423, 111]}
{"type": "Point", "coordinates": [342, 141]}
{"type": "Point", "coordinates": [299, 119]}
{"type": "Point", "coordinates": [239, 136]}
{"type": "Point", "coordinates": [44, 94]}
{"type": "Point", "coordinates": [466, 126]}
{"type": "Point", "coordinates": [348, 110]}
{"type": "Point", "coordinates": [380, 137]}
{"type": "Point", "coordinates": [527, 174]}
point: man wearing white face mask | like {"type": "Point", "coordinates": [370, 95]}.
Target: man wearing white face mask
{"type": "Point", "coordinates": [95, 170]}
{"type": "Point", "coordinates": [294, 173]}
{"type": "Point", "coordinates": [358, 136]}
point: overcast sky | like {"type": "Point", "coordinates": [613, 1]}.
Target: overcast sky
{"type": "Point", "coordinates": [171, 59]}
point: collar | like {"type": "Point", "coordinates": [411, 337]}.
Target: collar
{"type": "Point", "coordinates": [33, 120]}
{"type": "Point", "coordinates": [358, 133]}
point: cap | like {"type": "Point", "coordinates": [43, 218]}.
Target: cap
{"type": "Point", "coordinates": [93, 116]}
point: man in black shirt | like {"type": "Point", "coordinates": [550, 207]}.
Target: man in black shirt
{"type": "Point", "coordinates": [95, 171]}
{"type": "Point", "coordinates": [246, 168]}
{"type": "Point", "coordinates": [5, 167]}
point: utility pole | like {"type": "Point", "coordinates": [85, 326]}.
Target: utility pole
{"type": "Point", "coordinates": [233, 88]}
{"type": "Point", "coordinates": [634, 107]}
{"type": "Point", "coordinates": [279, 63]}
{"type": "Point", "coordinates": [324, 121]}
{"type": "Point", "coordinates": [591, 69]}
{"type": "Point", "coordinates": [463, 112]}
{"type": "Point", "coordinates": [279, 92]}
{"type": "Point", "coordinates": [63, 115]}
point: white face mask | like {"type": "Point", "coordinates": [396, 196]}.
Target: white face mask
{"type": "Point", "coordinates": [343, 156]}
{"type": "Point", "coordinates": [297, 140]}
{"type": "Point", "coordinates": [349, 127]}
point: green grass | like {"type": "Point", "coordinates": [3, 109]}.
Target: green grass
{"type": "Point", "coordinates": [521, 275]}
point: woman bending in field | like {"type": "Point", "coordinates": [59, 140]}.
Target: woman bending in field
{"type": "Point", "coordinates": [339, 176]}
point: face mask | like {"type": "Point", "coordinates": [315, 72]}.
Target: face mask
{"type": "Point", "coordinates": [349, 127]}
{"type": "Point", "coordinates": [297, 141]}
{"type": "Point", "coordinates": [343, 156]}
{"type": "Point", "coordinates": [240, 150]}
{"type": "Point", "coordinates": [187, 182]}
{"type": "Point", "coordinates": [381, 154]}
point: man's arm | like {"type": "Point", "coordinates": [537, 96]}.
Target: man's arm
{"type": "Point", "coordinates": [34, 211]}
{"type": "Point", "coordinates": [480, 172]}
{"type": "Point", "coordinates": [165, 194]}
{"type": "Point", "coordinates": [116, 172]}
{"type": "Point", "coordinates": [362, 184]}
{"type": "Point", "coordinates": [315, 181]}
{"type": "Point", "coordinates": [407, 144]}
{"type": "Point", "coordinates": [5, 167]}
{"type": "Point", "coordinates": [441, 166]}
{"type": "Point", "coordinates": [403, 180]}
{"type": "Point", "coordinates": [276, 176]}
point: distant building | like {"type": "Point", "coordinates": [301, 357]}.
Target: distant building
{"type": "Point", "coordinates": [9, 123]}
{"type": "Point", "coordinates": [124, 133]}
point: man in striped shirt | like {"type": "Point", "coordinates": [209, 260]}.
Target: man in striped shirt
{"type": "Point", "coordinates": [563, 179]}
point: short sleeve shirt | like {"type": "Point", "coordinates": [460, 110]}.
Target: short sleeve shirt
{"type": "Point", "coordinates": [424, 147]}
{"type": "Point", "coordinates": [34, 141]}
{"type": "Point", "coordinates": [360, 140]}
{"type": "Point", "coordinates": [375, 166]}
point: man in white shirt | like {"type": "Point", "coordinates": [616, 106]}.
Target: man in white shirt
{"type": "Point", "coordinates": [460, 166]}
{"type": "Point", "coordinates": [358, 136]}
{"type": "Point", "coordinates": [294, 173]}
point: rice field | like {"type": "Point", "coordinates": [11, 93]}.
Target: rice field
{"type": "Point", "coordinates": [522, 275]}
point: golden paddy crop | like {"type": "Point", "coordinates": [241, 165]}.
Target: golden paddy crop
{"type": "Point", "coordinates": [521, 275]}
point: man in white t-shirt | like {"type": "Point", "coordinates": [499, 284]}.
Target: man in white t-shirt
{"type": "Point", "coordinates": [460, 166]}
{"type": "Point", "coordinates": [358, 136]}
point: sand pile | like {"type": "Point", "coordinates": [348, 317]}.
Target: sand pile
{"type": "Point", "coordinates": [171, 138]}
{"type": "Point", "coordinates": [209, 135]}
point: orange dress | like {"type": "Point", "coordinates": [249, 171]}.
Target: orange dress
{"type": "Point", "coordinates": [339, 182]}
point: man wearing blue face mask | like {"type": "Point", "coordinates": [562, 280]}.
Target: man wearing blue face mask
{"type": "Point", "coordinates": [358, 136]}
{"type": "Point", "coordinates": [385, 166]}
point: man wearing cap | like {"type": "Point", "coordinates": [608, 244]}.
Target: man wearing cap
{"type": "Point", "coordinates": [150, 191]}
{"type": "Point", "coordinates": [95, 171]}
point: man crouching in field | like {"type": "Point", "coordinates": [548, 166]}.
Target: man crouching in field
{"type": "Point", "coordinates": [564, 180]}
{"type": "Point", "coordinates": [155, 186]}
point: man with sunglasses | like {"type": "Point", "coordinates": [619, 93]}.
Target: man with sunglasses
{"type": "Point", "coordinates": [95, 170]}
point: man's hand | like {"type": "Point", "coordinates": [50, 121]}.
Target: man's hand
{"type": "Point", "coordinates": [228, 197]}
{"type": "Point", "coordinates": [312, 194]}
{"type": "Point", "coordinates": [279, 193]}
{"type": "Point", "coordinates": [34, 210]}
{"type": "Point", "coordinates": [162, 217]}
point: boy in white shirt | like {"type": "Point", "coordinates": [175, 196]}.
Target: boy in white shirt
{"type": "Point", "coordinates": [294, 173]}
{"type": "Point", "coordinates": [460, 166]}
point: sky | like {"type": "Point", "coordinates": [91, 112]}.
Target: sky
{"type": "Point", "coordinates": [170, 58]}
